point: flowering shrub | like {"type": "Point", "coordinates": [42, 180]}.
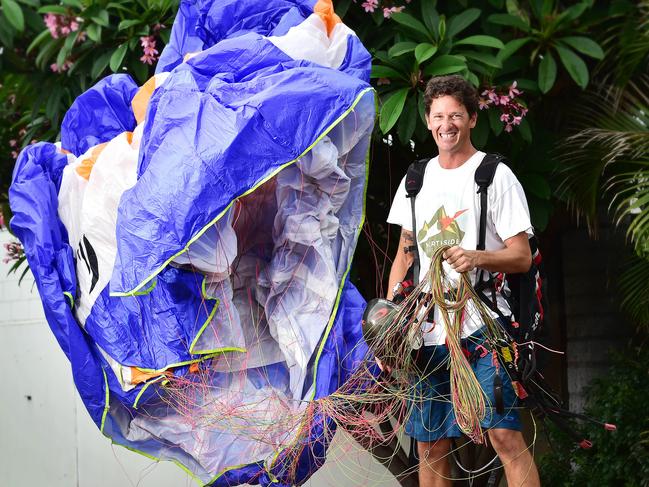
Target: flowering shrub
{"type": "Point", "coordinates": [512, 109]}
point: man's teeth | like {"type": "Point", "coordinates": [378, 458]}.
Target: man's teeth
{"type": "Point", "coordinates": [447, 135]}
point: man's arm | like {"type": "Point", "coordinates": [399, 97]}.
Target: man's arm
{"type": "Point", "coordinates": [402, 261]}
{"type": "Point", "coordinates": [515, 257]}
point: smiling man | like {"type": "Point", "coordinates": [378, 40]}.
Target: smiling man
{"type": "Point", "coordinates": [447, 211]}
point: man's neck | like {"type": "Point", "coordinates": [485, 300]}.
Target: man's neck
{"type": "Point", "coordinates": [453, 160]}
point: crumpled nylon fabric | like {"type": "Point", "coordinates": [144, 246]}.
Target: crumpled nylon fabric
{"type": "Point", "coordinates": [200, 256]}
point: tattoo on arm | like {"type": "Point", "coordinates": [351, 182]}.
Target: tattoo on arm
{"type": "Point", "coordinates": [408, 236]}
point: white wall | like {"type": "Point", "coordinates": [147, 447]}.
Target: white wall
{"type": "Point", "coordinates": [47, 437]}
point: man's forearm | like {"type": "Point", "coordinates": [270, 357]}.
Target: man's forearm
{"type": "Point", "coordinates": [398, 272]}
{"type": "Point", "coordinates": [515, 257]}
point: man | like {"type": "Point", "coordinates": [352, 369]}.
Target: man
{"type": "Point", "coordinates": [447, 213]}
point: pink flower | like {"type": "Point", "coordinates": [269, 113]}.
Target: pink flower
{"type": "Point", "coordinates": [67, 64]}
{"type": "Point", "coordinates": [52, 24]}
{"type": "Point", "coordinates": [504, 117]}
{"type": "Point", "coordinates": [61, 25]}
{"type": "Point", "coordinates": [370, 5]}
{"type": "Point", "coordinates": [13, 142]}
{"type": "Point", "coordinates": [150, 53]}
{"type": "Point", "coordinates": [383, 81]}
{"type": "Point", "coordinates": [508, 128]}
{"type": "Point", "coordinates": [14, 250]}
{"type": "Point", "coordinates": [517, 120]}
{"type": "Point", "coordinates": [504, 99]}
{"type": "Point", "coordinates": [387, 12]}
{"type": "Point", "coordinates": [484, 103]}
{"type": "Point", "coordinates": [513, 91]}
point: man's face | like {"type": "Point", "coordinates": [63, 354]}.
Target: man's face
{"type": "Point", "coordinates": [450, 124]}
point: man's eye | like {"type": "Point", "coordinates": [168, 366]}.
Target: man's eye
{"type": "Point", "coordinates": [437, 117]}
{"type": "Point", "coordinates": [457, 116]}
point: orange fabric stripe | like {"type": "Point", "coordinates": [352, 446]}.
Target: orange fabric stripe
{"type": "Point", "coordinates": [325, 10]}
{"type": "Point", "coordinates": [85, 168]}
{"type": "Point", "coordinates": [140, 101]}
{"type": "Point", "coordinates": [138, 376]}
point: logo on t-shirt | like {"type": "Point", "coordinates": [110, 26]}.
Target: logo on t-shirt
{"type": "Point", "coordinates": [440, 230]}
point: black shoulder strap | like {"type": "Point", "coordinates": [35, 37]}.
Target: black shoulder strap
{"type": "Point", "coordinates": [414, 181]}
{"type": "Point", "coordinates": [484, 176]}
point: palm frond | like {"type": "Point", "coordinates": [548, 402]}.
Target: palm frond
{"type": "Point", "coordinates": [633, 288]}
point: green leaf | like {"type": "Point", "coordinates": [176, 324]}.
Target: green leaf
{"type": "Point", "coordinates": [408, 120]}
{"type": "Point", "coordinates": [73, 3]}
{"type": "Point", "coordinates": [140, 70]}
{"type": "Point", "coordinates": [536, 185]}
{"type": "Point", "coordinates": [525, 130]}
{"type": "Point", "coordinates": [117, 57]}
{"type": "Point", "coordinates": [482, 40]}
{"type": "Point", "coordinates": [511, 47]}
{"type": "Point", "coordinates": [547, 72]}
{"type": "Point", "coordinates": [494, 121]}
{"type": "Point", "coordinates": [480, 134]}
{"type": "Point", "coordinates": [473, 79]}
{"type": "Point", "coordinates": [430, 17]}
{"type": "Point", "coordinates": [424, 51]}
{"type": "Point", "coordinates": [391, 109]}
{"type": "Point", "coordinates": [53, 9]}
{"type": "Point", "coordinates": [421, 107]}
{"type": "Point", "coordinates": [572, 13]}
{"type": "Point", "coordinates": [401, 48]}
{"type": "Point", "coordinates": [100, 64]}
{"type": "Point", "coordinates": [341, 7]}
{"type": "Point", "coordinates": [14, 14]}
{"type": "Point", "coordinates": [575, 66]}
{"type": "Point", "coordinates": [38, 40]}
{"type": "Point", "coordinates": [125, 24]}
{"type": "Point", "coordinates": [101, 18]}
{"type": "Point", "coordinates": [94, 32]}
{"type": "Point", "coordinates": [445, 64]}
{"type": "Point", "coordinates": [379, 71]}
{"type": "Point", "coordinates": [584, 45]}
{"type": "Point", "coordinates": [487, 59]}
{"type": "Point", "coordinates": [509, 20]}
{"type": "Point", "coordinates": [410, 22]}
{"type": "Point", "coordinates": [458, 23]}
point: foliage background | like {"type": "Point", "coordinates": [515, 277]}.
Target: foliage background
{"type": "Point", "coordinates": [564, 87]}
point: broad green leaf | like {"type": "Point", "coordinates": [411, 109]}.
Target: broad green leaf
{"type": "Point", "coordinates": [480, 134]}
{"type": "Point", "coordinates": [584, 45]}
{"type": "Point", "coordinates": [60, 58]}
{"type": "Point", "coordinates": [401, 48]}
{"type": "Point", "coordinates": [473, 79]}
{"type": "Point", "coordinates": [481, 40]}
{"type": "Point", "coordinates": [424, 52]}
{"type": "Point", "coordinates": [101, 18]}
{"type": "Point", "coordinates": [509, 20]}
{"type": "Point", "coordinates": [73, 3]}
{"type": "Point", "coordinates": [430, 17]}
{"type": "Point", "coordinates": [341, 7]}
{"type": "Point", "coordinates": [487, 59]}
{"type": "Point", "coordinates": [14, 14]}
{"type": "Point", "coordinates": [494, 120]}
{"type": "Point", "coordinates": [125, 24]}
{"type": "Point", "coordinates": [572, 13]}
{"type": "Point", "coordinates": [53, 9]}
{"type": "Point", "coordinates": [547, 72]}
{"type": "Point", "coordinates": [575, 66]}
{"type": "Point", "coordinates": [536, 185]}
{"type": "Point", "coordinates": [31, 3]}
{"type": "Point", "coordinates": [408, 120]}
{"type": "Point", "coordinates": [94, 32]}
{"type": "Point", "coordinates": [379, 71]}
{"type": "Point", "coordinates": [459, 22]}
{"type": "Point", "coordinates": [117, 57]}
{"type": "Point", "coordinates": [100, 64]}
{"type": "Point", "coordinates": [511, 47]}
{"type": "Point", "coordinates": [140, 70]}
{"type": "Point", "coordinates": [441, 28]}
{"type": "Point", "coordinates": [525, 130]}
{"type": "Point", "coordinates": [38, 40]}
{"type": "Point", "coordinates": [446, 64]}
{"type": "Point", "coordinates": [410, 22]}
{"type": "Point", "coordinates": [421, 107]}
{"type": "Point", "coordinates": [391, 109]}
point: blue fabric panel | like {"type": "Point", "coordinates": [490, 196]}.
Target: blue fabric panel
{"type": "Point", "coordinates": [99, 114]}
{"type": "Point", "coordinates": [155, 330]}
{"type": "Point", "coordinates": [34, 203]}
{"type": "Point", "coordinates": [217, 127]}
{"type": "Point", "coordinates": [357, 61]}
{"type": "Point", "coordinates": [201, 24]}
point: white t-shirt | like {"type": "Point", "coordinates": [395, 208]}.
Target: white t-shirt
{"type": "Point", "coordinates": [447, 211]}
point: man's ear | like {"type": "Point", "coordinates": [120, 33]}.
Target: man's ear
{"type": "Point", "coordinates": [473, 120]}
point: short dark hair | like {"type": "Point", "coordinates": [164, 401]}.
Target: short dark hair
{"type": "Point", "coordinates": [455, 86]}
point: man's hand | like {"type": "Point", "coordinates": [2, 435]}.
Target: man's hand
{"type": "Point", "coordinates": [461, 260]}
